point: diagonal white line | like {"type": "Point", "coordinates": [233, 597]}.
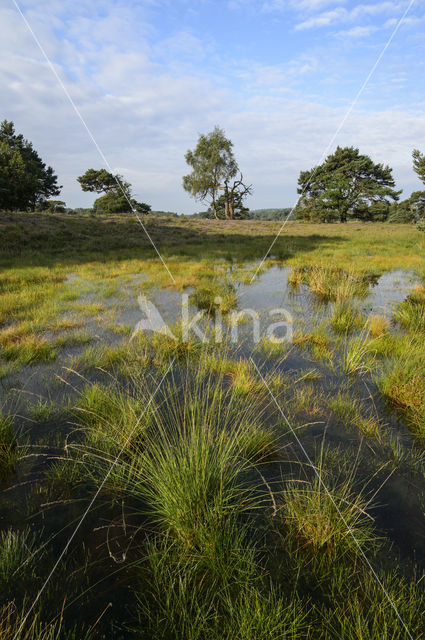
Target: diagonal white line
{"type": "Point", "coordinates": [332, 499]}
{"type": "Point", "coordinates": [91, 136]}
{"type": "Point", "coordinates": [340, 126]}
{"type": "Point", "coordinates": [92, 501]}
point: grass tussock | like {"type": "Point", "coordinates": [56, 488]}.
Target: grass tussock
{"type": "Point", "coordinates": [345, 317]}
{"type": "Point", "coordinates": [8, 448]}
{"type": "Point", "coordinates": [330, 284]}
{"type": "Point", "coordinates": [212, 294]}
{"type": "Point", "coordinates": [28, 350]}
{"type": "Point", "coordinates": [377, 326]}
{"type": "Point", "coordinates": [330, 521]}
{"type": "Point", "coordinates": [410, 314]}
{"type": "Point", "coordinates": [402, 381]}
{"type": "Point", "coordinates": [358, 356]}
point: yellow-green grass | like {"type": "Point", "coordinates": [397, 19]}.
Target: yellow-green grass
{"type": "Point", "coordinates": [410, 314]}
{"type": "Point", "coordinates": [402, 382]}
{"type": "Point", "coordinates": [8, 447]}
{"type": "Point", "coordinates": [350, 411]}
{"type": "Point", "coordinates": [345, 317]}
{"type": "Point", "coordinates": [377, 325]}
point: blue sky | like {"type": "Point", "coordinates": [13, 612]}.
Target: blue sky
{"type": "Point", "coordinates": [277, 75]}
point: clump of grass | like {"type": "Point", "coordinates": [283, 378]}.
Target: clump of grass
{"type": "Point", "coordinates": [73, 338]}
{"type": "Point", "coordinates": [358, 356]}
{"type": "Point", "coordinates": [344, 406]}
{"type": "Point", "coordinates": [184, 344]}
{"type": "Point", "coordinates": [212, 295]}
{"type": "Point", "coordinates": [62, 478]}
{"type": "Point", "coordinates": [42, 410]}
{"type": "Point", "coordinates": [259, 443]}
{"type": "Point", "coordinates": [307, 400]}
{"type": "Point", "coordinates": [8, 448]}
{"type": "Point", "coordinates": [239, 372]}
{"type": "Point", "coordinates": [402, 382]}
{"type": "Point", "coordinates": [410, 314]}
{"type": "Point", "coordinates": [244, 381]}
{"type": "Point", "coordinates": [330, 521]}
{"type": "Point", "coordinates": [335, 284]}
{"type": "Point", "coordinates": [110, 358]}
{"type": "Point", "coordinates": [345, 317]}
{"type": "Point", "coordinates": [111, 415]}
{"type": "Point", "coordinates": [17, 549]}
{"type": "Point", "coordinates": [195, 460]}
{"type": "Point", "coordinates": [296, 276]}
{"type": "Point", "coordinates": [349, 410]}
{"type": "Point", "coordinates": [272, 348]}
{"type": "Point", "coordinates": [8, 369]}
{"type": "Point", "coordinates": [376, 609]}
{"type": "Point", "coordinates": [316, 338]}
{"type": "Point", "coordinates": [11, 627]}
{"type": "Point", "coordinates": [377, 326]}
{"type": "Point", "coordinates": [29, 350]}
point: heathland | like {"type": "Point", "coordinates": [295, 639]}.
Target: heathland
{"type": "Point", "coordinates": [164, 487]}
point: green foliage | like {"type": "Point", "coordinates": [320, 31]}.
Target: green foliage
{"type": "Point", "coordinates": [238, 209]}
{"type": "Point", "coordinates": [401, 212]}
{"type": "Point", "coordinates": [213, 165]}
{"type": "Point", "coordinates": [52, 206]}
{"type": "Point", "coordinates": [418, 197]}
{"type": "Point", "coordinates": [117, 198]}
{"type": "Point", "coordinates": [269, 214]}
{"type": "Point", "coordinates": [100, 180]}
{"type": "Point", "coordinates": [25, 180]}
{"type": "Point", "coordinates": [347, 185]}
{"type": "Point", "coordinates": [419, 164]}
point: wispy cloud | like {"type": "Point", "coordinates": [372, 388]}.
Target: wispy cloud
{"type": "Point", "coordinates": [147, 90]}
{"type": "Point", "coordinates": [357, 32]}
{"type": "Point", "coordinates": [341, 14]}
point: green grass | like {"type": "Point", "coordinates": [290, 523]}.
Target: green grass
{"type": "Point", "coordinates": [402, 381]}
{"type": "Point", "coordinates": [42, 410]}
{"type": "Point", "coordinates": [358, 355]}
{"type": "Point", "coordinates": [410, 314]}
{"type": "Point", "coordinates": [8, 448]}
{"type": "Point", "coordinates": [325, 521]}
{"type": "Point", "coordinates": [210, 524]}
{"type": "Point", "coordinates": [345, 317]}
{"type": "Point", "coordinates": [17, 551]}
{"type": "Point", "coordinates": [212, 295]}
{"type": "Point", "coordinates": [29, 350]}
{"type": "Point", "coordinates": [329, 283]}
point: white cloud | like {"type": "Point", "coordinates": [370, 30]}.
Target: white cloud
{"type": "Point", "coordinates": [341, 14]}
{"type": "Point", "coordinates": [146, 112]}
{"type": "Point", "coordinates": [357, 32]}
{"type": "Point", "coordinates": [324, 19]}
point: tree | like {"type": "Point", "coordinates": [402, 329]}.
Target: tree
{"type": "Point", "coordinates": [25, 180]}
{"type": "Point", "coordinates": [117, 198]}
{"type": "Point", "coordinates": [346, 185]}
{"type": "Point", "coordinates": [418, 197]}
{"type": "Point", "coordinates": [101, 181]}
{"type": "Point", "coordinates": [52, 206]}
{"type": "Point", "coordinates": [401, 212]}
{"type": "Point", "coordinates": [214, 166]}
{"type": "Point", "coordinates": [419, 164]}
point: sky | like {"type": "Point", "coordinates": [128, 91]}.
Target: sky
{"type": "Point", "coordinates": [149, 76]}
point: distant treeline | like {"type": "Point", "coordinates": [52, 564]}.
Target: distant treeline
{"type": "Point", "coordinates": [348, 185]}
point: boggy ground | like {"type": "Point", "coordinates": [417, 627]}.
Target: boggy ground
{"type": "Point", "coordinates": [260, 490]}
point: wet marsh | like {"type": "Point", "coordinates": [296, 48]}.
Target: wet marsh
{"type": "Point", "coordinates": [244, 489]}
